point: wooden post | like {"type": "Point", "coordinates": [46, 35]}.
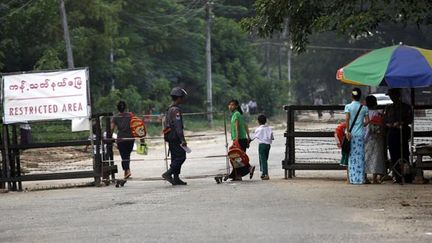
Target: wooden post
{"type": "Point", "coordinates": [6, 167]}
{"type": "Point", "coordinates": [285, 161]}
{"type": "Point", "coordinates": [13, 157]}
{"type": "Point", "coordinates": [95, 150]}
{"type": "Point", "coordinates": [3, 165]}
{"type": "Point", "coordinates": [291, 143]}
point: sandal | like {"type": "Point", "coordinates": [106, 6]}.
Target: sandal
{"type": "Point", "coordinates": [376, 182]}
{"type": "Point", "coordinates": [127, 175]}
{"type": "Point", "coordinates": [252, 170]}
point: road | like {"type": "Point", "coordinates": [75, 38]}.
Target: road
{"type": "Point", "coordinates": [314, 207]}
{"type": "Point", "coordinates": [300, 210]}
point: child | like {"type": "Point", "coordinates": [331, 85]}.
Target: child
{"type": "Point", "coordinates": [374, 142]}
{"type": "Point", "coordinates": [339, 136]}
{"type": "Point", "coordinates": [264, 135]}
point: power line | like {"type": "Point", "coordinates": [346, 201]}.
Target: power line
{"type": "Point", "coordinates": [187, 9]}
{"type": "Point", "coordinates": [314, 47]}
{"type": "Point", "coordinates": [339, 48]}
{"type": "Point", "coordinates": [183, 17]}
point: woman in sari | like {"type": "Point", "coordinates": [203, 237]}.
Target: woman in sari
{"type": "Point", "coordinates": [374, 142]}
{"type": "Point", "coordinates": [356, 163]}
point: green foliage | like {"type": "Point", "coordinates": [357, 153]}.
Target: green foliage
{"type": "Point", "coordinates": [108, 102]}
{"type": "Point", "coordinates": [159, 44]}
{"type": "Point", "coordinates": [56, 132]}
{"type": "Point", "coordinates": [49, 61]}
{"type": "Point", "coordinates": [155, 45]}
{"type": "Point", "coordinates": [353, 18]}
{"type": "Point", "coordinates": [132, 98]}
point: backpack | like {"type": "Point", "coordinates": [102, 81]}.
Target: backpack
{"type": "Point", "coordinates": [238, 158]}
{"type": "Point", "coordinates": [137, 126]}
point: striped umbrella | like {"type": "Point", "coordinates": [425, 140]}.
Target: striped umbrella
{"type": "Point", "coordinates": [398, 66]}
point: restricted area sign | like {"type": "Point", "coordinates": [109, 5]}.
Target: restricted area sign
{"type": "Point", "coordinates": [45, 96]}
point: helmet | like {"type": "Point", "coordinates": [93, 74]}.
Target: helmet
{"type": "Point", "coordinates": [179, 92]}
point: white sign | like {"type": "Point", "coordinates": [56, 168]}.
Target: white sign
{"type": "Point", "coordinates": [45, 96]}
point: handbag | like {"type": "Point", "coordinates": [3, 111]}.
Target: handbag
{"type": "Point", "coordinates": [141, 148]}
{"type": "Point", "coordinates": [346, 144]}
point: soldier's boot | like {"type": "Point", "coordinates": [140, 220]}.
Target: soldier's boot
{"type": "Point", "coordinates": [177, 181]}
{"type": "Point", "coordinates": [167, 176]}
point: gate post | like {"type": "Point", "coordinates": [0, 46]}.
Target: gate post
{"type": "Point", "coordinates": [6, 164]}
{"type": "Point", "coordinates": [96, 145]}
{"type": "Point", "coordinates": [291, 139]}
{"type": "Point", "coordinates": [15, 154]}
{"type": "Point", "coordinates": [285, 161]}
{"type": "Point", "coordinates": [109, 145]}
{"type": "Point", "coordinates": [3, 161]}
{"type": "Point", "coordinates": [290, 143]}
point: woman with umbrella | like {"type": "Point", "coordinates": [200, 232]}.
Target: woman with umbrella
{"type": "Point", "coordinates": [398, 66]}
{"type": "Point", "coordinates": [356, 117]}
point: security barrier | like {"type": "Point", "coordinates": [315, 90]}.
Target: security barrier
{"type": "Point", "coordinates": [99, 160]}
{"type": "Point", "coordinates": [197, 128]}
{"type": "Point", "coordinates": [310, 143]}
{"type": "Point", "coordinates": [47, 134]}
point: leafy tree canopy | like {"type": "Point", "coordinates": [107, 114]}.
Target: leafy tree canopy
{"type": "Point", "coordinates": [354, 18]}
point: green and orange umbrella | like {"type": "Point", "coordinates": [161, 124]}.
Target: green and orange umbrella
{"type": "Point", "coordinates": [398, 66]}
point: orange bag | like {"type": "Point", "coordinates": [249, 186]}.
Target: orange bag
{"type": "Point", "coordinates": [137, 126]}
{"type": "Point", "coordinates": [238, 158]}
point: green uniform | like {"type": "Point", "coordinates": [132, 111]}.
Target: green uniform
{"type": "Point", "coordinates": [236, 116]}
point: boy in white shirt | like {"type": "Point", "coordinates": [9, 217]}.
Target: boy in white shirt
{"type": "Point", "coordinates": [264, 135]}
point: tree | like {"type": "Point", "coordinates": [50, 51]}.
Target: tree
{"type": "Point", "coordinates": [353, 18]}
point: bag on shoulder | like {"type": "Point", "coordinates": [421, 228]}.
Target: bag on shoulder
{"type": "Point", "coordinates": [137, 126]}
{"type": "Point", "coordinates": [169, 134]}
{"type": "Point", "coordinates": [346, 145]}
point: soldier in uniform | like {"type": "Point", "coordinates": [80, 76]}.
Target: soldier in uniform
{"type": "Point", "coordinates": [173, 134]}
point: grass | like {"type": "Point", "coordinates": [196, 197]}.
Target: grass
{"type": "Point", "coordinates": [58, 131]}
{"type": "Point", "coordinates": [194, 125]}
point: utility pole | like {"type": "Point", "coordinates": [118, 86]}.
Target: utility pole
{"type": "Point", "coordinates": [112, 68]}
{"type": "Point", "coordinates": [289, 49]}
{"type": "Point", "coordinates": [209, 6]}
{"type": "Point", "coordinates": [287, 36]}
{"type": "Point", "coordinates": [69, 52]}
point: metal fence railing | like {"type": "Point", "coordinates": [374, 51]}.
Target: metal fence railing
{"type": "Point", "coordinates": [53, 152]}
{"type": "Point", "coordinates": [310, 142]}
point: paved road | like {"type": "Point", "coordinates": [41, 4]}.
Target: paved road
{"type": "Point", "coordinates": [300, 210]}
{"type": "Point", "coordinates": [310, 208]}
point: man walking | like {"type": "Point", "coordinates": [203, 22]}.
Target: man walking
{"type": "Point", "coordinates": [173, 134]}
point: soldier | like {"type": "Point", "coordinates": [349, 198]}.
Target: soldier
{"type": "Point", "coordinates": [173, 134]}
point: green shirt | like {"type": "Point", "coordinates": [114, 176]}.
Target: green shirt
{"type": "Point", "coordinates": [236, 116]}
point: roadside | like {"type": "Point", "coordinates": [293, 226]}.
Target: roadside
{"type": "Point", "coordinates": [316, 206]}
{"type": "Point", "coordinates": [299, 210]}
